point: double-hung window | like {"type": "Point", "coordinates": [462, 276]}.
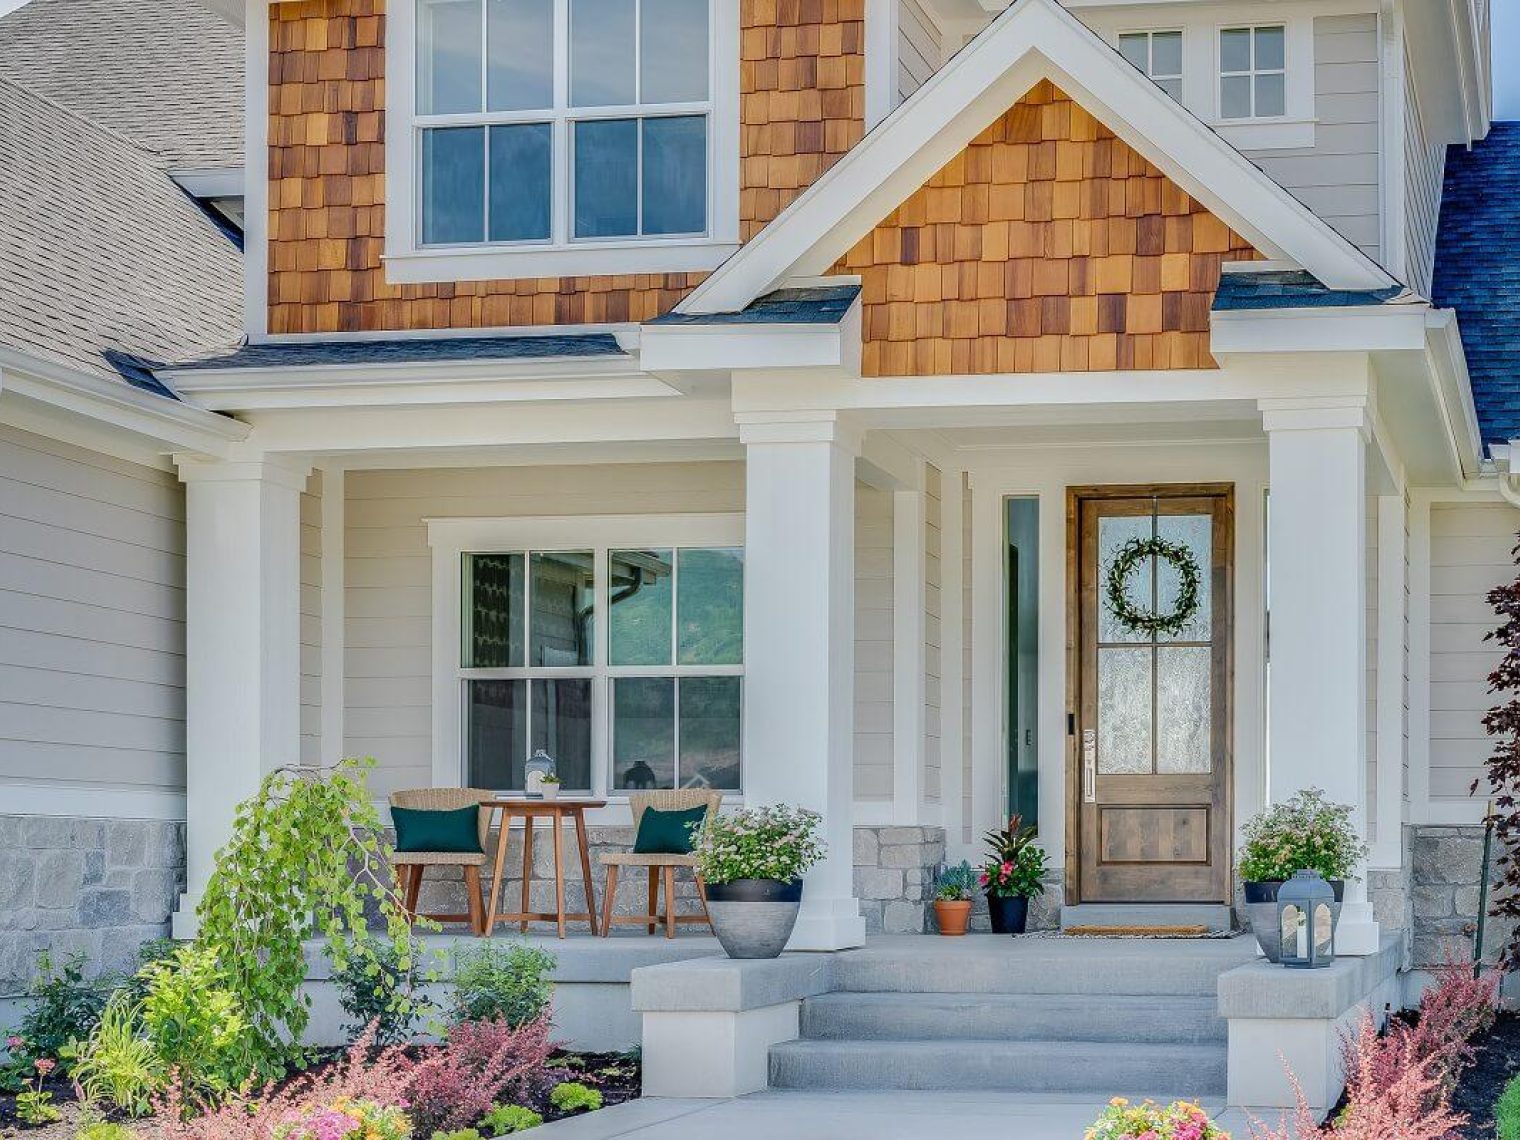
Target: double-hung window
{"type": "Point", "coordinates": [1157, 55]}
{"type": "Point", "coordinates": [546, 123]}
{"type": "Point", "coordinates": [1253, 63]}
{"type": "Point", "coordinates": [623, 662]}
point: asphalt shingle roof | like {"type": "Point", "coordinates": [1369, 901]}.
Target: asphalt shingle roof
{"type": "Point", "coordinates": [1478, 272]}
{"type": "Point", "coordinates": [1294, 289]}
{"type": "Point", "coordinates": [167, 74]}
{"type": "Point", "coordinates": [815, 305]}
{"type": "Point", "coordinates": [410, 350]}
{"type": "Point", "coordinates": [105, 264]}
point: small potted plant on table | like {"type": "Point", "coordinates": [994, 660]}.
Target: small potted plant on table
{"type": "Point", "coordinates": [1013, 874]}
{"type": "Point", "coordinates": [1304, 833]}
{"type": "Point", "coordinates": [548, 786]}
{"type": "Point", "coordinates": [952, 899]}
{"type": "Point", "coordinates": [751, 863]}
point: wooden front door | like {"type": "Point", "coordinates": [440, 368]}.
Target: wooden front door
{"type": "Point", "coordinates": [1150, 732]}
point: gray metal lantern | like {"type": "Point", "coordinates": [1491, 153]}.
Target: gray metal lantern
{"type": "Point", "coordinates": [1306, 921]}
{"type": "Point", "coordinates": [539, 765]}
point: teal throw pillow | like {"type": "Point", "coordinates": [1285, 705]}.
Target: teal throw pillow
{"type": "Point", "coordinates": [667, 832]}
{"type": "Point", "coordinates": [419, 829]}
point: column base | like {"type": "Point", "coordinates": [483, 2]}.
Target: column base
{"type": "Point", "coordinates": [184, 923]}
{"type": "Point", "coordinates": [828, 924]}
{"type": "Point", "coordinates": [1358, 934]}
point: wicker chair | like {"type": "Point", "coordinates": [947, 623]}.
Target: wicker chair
{"type": "Point", "coordinates": [661, 867]}
{"type": "Point", "coordinates": [410, 865]}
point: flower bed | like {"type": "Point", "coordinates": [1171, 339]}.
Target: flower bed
{"type": "Point", "coordinates": [1496, 1063]}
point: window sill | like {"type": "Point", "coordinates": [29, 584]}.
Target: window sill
{"type": "Point", "coordinates": [1266, 134]}
{"type": "Point", "coordinates": [496, 264]}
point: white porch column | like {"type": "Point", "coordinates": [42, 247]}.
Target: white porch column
{"type": "Point", "coordinates": [1317, 598]}
{"type": "Point", "coordinates": [242, 646]}
{"type": "Point", "coordinates": [799, 635]}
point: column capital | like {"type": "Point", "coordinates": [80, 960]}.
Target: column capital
{"type": "Point", "coordinates": [1317, 413]}
{"type": "Point", "coordinates": [798, 427]}
{"type": "Point", "coordinates": [279, 470]}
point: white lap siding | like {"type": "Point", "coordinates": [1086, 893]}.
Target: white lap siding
{"type": "Point", "coordinates": [873, 644]}
{"type": "Point", "coordinates": [92, 622]}
{"type": "Point", "coordinates": [311, 623]}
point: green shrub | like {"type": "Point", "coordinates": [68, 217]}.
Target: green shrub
{"type": "Point", "coordinates": [195, 1023]}
{"type": "Point", "coordinates": [36, 1107]}
{"type": "Point", "coordinates": [117, 1064]}
{"type": "Point", "coordinates": [572, 1096]}
{"type": "Point", "coordinates": [64, 1007]}
{"type": "Point", "coordinates": [458, 1134]}
{"type": "Point", "coordinates": [510, 982]}
{"type": "Point", "coordinates": [380, 990]}
{"type": "Point", "coordinates": [1507, 1112]}
{"type": "Point", "coordinates": [505, 1119]}
{"type": "Point", "coordinates": [103, 1130]}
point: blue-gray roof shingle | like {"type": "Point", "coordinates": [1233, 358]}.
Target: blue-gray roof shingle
{"type": "Point", "coordinates": [406, 350]}
{"type": "Point", "coordinates": [813, 305]}
{"type": "Point", "coordinates": [1291, 289]}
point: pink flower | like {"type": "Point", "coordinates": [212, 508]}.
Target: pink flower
{"type": "Point", "coordinates": [14, 1042]}
{"type": "Point", "coordinates": [45, 1066]}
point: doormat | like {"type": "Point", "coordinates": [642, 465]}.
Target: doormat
{"type": "Point", "coordinates": [1145, 932]}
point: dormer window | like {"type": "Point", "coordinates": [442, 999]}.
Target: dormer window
{"type": "Point", "coordinates": [568, 136]}
{"type": "Point", "coordinates": [1253, 68]}
{"type": "Point", "coordinates": [1158, 55]}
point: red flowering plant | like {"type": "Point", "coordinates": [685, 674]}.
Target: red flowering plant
{"type": "Point", "coordinates": [1015, 866]}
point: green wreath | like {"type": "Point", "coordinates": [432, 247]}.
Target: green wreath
{"type": "Point", "coordinates": [1115, 586]}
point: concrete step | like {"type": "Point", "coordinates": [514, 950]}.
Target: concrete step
{"type": "Point", "coordinates": [987, 964]}
{"type": "Point", "coordinates": [1013, 1017]}
{"type": "Point", "coordinates": [1212, 917]}
{"type": "Point", "coordinates": [1098, 1068]}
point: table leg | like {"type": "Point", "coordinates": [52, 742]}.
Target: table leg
{"type": "Point", "coordinates": [527, 866]}
{"type": "Point", "coordinates": [559, 871]}
{"type": "Point", "coordinates": [580, 834]}
{"type": "Point", "coordinates": [496, 869]}
{"type": "Point", "coordinates": [670, 901]}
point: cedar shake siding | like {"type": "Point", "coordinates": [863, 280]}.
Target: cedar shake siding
{"type": "Point", "coordinates": [802, 105]}
{"type": "Point", "coordinates": [1047, 245]}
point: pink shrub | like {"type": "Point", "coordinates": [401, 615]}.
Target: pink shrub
{"type": "Point", "coordinates": [481, 1064]}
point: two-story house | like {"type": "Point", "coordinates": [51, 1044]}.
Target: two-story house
{"type": "Point", "coordinates": [759, 395]}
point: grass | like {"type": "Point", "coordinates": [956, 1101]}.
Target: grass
{"type": "Point", "coordinates": [1507, 1112]}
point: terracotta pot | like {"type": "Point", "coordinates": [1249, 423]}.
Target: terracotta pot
{"type": "Point", "coordinates": [952, 915]}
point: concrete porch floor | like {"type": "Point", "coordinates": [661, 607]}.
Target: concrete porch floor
{"type": "Point", "coordinates": [851, 1115]}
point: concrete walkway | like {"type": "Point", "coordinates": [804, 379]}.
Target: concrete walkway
{"type": "Point", "coordinates": [852, 1115]}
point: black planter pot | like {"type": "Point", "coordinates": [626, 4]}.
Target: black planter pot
{"type": "Point", "coordinates": [753, 918]}
{"type": "Point", "coordinates": [1009, 915]}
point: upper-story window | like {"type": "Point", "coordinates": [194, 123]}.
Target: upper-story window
{"type": "Point", "coordinates": [1253, 66]}
{"type": "Point", "coordinates": [556, 137]}
{"type": "Point", "coordinates": [1158, 55]}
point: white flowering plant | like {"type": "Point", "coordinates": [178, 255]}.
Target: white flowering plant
{"type": "Point", "coordinates": [1303, 833]}
{"type": "Point", "coordinates": [776, 842]}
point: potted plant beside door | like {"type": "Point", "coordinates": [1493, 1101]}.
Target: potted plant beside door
{"type": "Point", "coordinates": [1013, 874]}
{"type": "Point", "coordinates": [1303, 833]}
{"type": "Point", "coordinates": [751, 862]}
{"type": "Point", "coordinates": [952, 899]}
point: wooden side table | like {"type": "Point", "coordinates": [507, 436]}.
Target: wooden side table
{"type": "Point", "coordinates": [556, 812]}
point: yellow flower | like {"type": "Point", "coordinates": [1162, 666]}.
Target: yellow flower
{"type": "Point", "coordinates": [1118, 1102]}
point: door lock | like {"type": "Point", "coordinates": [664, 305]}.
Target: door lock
{"type": "Point", "coordinates": [1090, 765]}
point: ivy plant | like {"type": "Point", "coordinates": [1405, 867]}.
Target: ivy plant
{"type": "Point", "coordinates": [307, 858]}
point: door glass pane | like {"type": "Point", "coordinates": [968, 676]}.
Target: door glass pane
{"type": "Point", "coordinates": [493, 626]}
{"type": "Point", "coordinates": [643, 733]}
{"type": "Point", "coordinates": [1166, 53]}
{"type": "Point", "coordinates": [448, 56]}
{"type": "Point", "coordinates": [1113, 533]}
{"type": "Point", "coordinates": [1271, 47]}
{"type": "Point", "coordinates": [673, 51]}
{"type": "Point", "coordinates": [520, 54]}
{"type": "Point", "coordinates": [520, 181]}
{"type": "Point", "coordinates": [640, 596]}
{"type": "Point", "coordinates": [496, 734]}
{"type": "Point", "coordinates": [675, 175]}
{"type": "Point", "coordinates": [1135, 47]}
{"type": "Point", "coordinates": [601, 53]}
{"type": "Point", "coordinates": [606, 178]}
{"type": "Point", "coordinates": [710, 607]}
{"type": "Point", "coordinates": [1235, 97]}
{"type": "Point", "coordinates": [1124, 710]}
{"type": "Point", "coordinates": [453, 185]}
{"type": "Point", "coordinates": [1235, 49]}
{"type": "Point", "coordinates": [710, 732]}
{"type": "Point", "coordinates": [561, 614]}
{"type": "Point", "coordinates": [562, 727]}
{"type": "Point", "coordinates": [1196, 533]}
{"type": "Point", "coordinates": [1269, 95]}
{"type": "Point", "coordinates": [1183, 709]}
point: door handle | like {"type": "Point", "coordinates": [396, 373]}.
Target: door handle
{"type": "Point", "coordinates": [1090, 765]}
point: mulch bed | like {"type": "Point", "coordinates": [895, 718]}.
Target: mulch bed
{"type": "Point", "coordinates": [617, 1076]}
{"type": "Point", "coordinates": [1498, 1060]}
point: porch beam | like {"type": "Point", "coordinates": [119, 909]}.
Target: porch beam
{"type": "Point", "coordinates": [242, 646]}
{"type": "Point", "coordinates": [799, 635]}
{"type": "Point", "coordinates": [1317, 598]}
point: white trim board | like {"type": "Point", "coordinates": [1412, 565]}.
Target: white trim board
{"type": "Point", "coordinates": [91, 801]}
{"type": "Point", "coordinates": [1032, 40]}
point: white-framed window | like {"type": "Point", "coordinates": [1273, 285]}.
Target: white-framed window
{"type": "Point", "coordinates": [1157, 54]}
{"type": "Point", "coordinates": [1253, 71]}
{"type": "Point", "coordinates": [545, 137]}
{"type": "Point", "coordinates": [615, 645]}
